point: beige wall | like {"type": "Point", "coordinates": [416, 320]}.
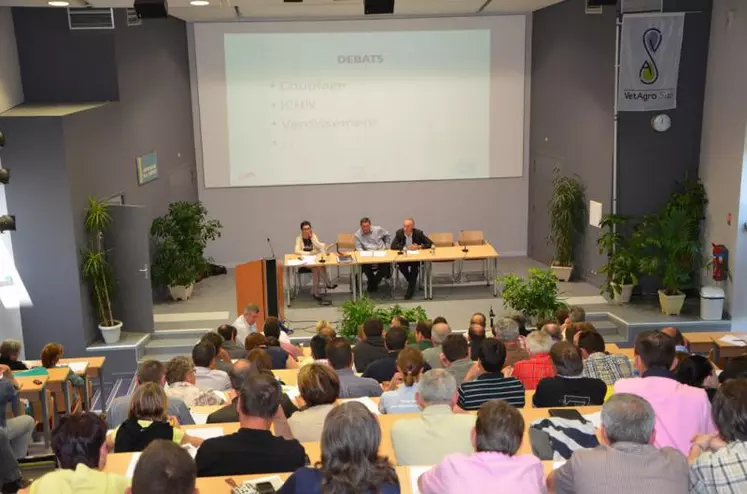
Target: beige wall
{"type": "Point", "coordinates": [11, 91]}
{"type": "Point", "coordinates": [723, 141]}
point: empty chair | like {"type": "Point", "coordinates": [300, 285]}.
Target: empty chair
{"type": "Point", "coordinates": [470, 238]}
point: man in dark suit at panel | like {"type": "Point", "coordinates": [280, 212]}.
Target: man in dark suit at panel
{"type": "Point", "coordinates": [410, 238]}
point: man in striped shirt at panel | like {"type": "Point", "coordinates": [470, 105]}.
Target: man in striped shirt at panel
{"type": "Point", "coordinates": [485, 382]}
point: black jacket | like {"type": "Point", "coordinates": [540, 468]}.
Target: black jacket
{"type": "Point", "coordinates": [418, 237]}
{"type": "Point", "coordinates": [368, 350]}
{"type": "Point", "coordinates": [229, 413]}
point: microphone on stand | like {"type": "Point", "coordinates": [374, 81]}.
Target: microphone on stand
{"type": "Point", "coordinates": [271, 249]}
{"type": "Point", "coordinates": [492, 316]}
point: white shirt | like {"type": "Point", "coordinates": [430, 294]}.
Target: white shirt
{"type": "Point", "coordinates": [212, 379]}
{"type": "Point", "coordinates": [243, 329]}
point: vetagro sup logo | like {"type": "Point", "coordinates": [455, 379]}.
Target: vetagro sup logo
{"type": "Point", "coordinates": [649, 72]}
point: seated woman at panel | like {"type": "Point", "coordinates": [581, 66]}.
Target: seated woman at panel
{"type": "Point", "coordinates": [307, 244]}
{"type": "Point", "coordinates": [146, 422]}
{"type": "Point", "coordinates": [350, 457]}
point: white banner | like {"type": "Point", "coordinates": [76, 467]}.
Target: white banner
{"type": "Point", "coordinates": [650, 50]}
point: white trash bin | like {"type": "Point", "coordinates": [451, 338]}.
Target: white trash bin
{"type": "Point", "coordinates": [711, 303]}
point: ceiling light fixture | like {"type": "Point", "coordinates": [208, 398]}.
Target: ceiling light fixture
{"type": "Point", "coordinates": [199, 3]}
{"type": "Point", "coordinates": [58, 3]}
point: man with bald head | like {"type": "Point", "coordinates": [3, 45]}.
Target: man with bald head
{"type": "Point", "coordinates": [238, 374]}
{"type": "Point", "coordinates": [680, 342]}
{"type": "Point", "coordinates": [410, 238]}
{"type": "Point", "coordinates": [432, 356]}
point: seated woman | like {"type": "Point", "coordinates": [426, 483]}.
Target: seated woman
{"type": "Point", "coordinates": [400, 394]}
{"type": "Point", "coordinates": [280, 358]}
{"type": "Point", "coordinates": [697, 371]}
{"type": "Point", "coordinates": [50, 356]}
{"type": "Point", "coordinates": [146, 422]}
{"type": "Point", "coordinates": [319, 387]}
{"type": "Point", "coordinates": [307, 244]}
{"type": "Point", "coordinates": [180, 376]}
{"type": "Point", "coordinates": [350, 457]}
{"type": "Point", "coordinates": [9, 352]}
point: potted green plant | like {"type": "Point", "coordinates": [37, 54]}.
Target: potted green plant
{"type": "Point", "coordinates": [567, 214]}
{"type": "Point", "coordinates": [622, 270]}
{"type": "Point", "coordinates": [96, 270]}
{"type": "Point", "coordinates": [181, 237]}
{"type": "Point", "coordinates": [356, 312]}
{"type": "Point", "coordinates": [536, 296]}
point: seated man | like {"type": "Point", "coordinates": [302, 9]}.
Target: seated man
{"type": "Point", "coordinates": [9, 352]}
{"type": "Point", "coordinates": [681, 344]}
{"type": "Point", "coordinates": [384, 368]}
{"type": "Point", "coordinates": [79, 443]}
{"type": "Point", "coordinates": [506, 330]}
{"type": "Point", "coordinates": [370, 237]}
{"type": "Point", "coordinates": [222, 359]}
{"type": "Point", "coordinates": [479, 319]}
{"type": "Point", "coordinates": [455, 357]}
{"type": "Point", "coordinates": [438, 431]}
{"type": "Point", "coordinates": [246, 323]}
{"type": "Point", "coordinates": [432, 355]}
{"type": "Point", "coordinates": [485, 382]}
{"type": "Point", "coordinates": [554, 331]}
{"type": "Point", "coordinates": [682, 411]}
{"type": "Point", "coordinates": [399, 322]}
{"type": "Point", "coordinates": [150, 371]}
{"type": "Point", "coordinates": [318, 346]}
{"type": "Point", "coordinates": [340, 358]}
{"type": "Point", "coordinates": [410, 238]}
{"type": "Point", "coordinates": [15, 434]}
{"type": "Point", "coordinates": [180, 376]}
{"type": "Point", "coordinates": [718, 459]}
{"type": "Point", "coordinates": [598, 364]}
{"type": "Point", "coordinates": [164, 467]}
{"type": "Point", "coordinates": [539, 364]}
{"type": "Point", "coordinates": [627, 460]}
{"type": "Point", "coordinates": [568, 388]}
{"type": "Point", "coordinates": [233, 347]}
{"type": "Point", "coordinates": [475, 336]}
{"type": "Point", "coordinates": [371, 346]}
{"type": "Point", "coordinates": [206, 375]}
{"type": "Point", "coordinates": [495, 465]}
{"type": "Point", "coordinates": [254, 449]}
{"type": "Point", "coordinates": [423, 335]}
{"type": "Point", "coordinates": [240, 372]}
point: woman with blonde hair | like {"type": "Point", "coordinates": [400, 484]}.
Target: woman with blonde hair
{"type": "Point", "coordinates": [146, 422]}
{"type": "Point", "coordinates": [320, 388]}
{"type": "Point", "coordinates": [400, 394]}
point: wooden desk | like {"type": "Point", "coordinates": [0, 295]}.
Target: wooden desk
{"type": "Point", "coordinates": [94, 369]}
{"type": "Point", "coordinates": [703, 342]}
{"type": "Point", "coordinates": [58, 383]}
{"type": "Point", "coordinates": [33, 392]}
{"type": "Point", "coordinates": [727, 350]}
{"type": "Point", "coordinates": [289, 263]}
{"type": "Point", "coordinates": [288, 376]}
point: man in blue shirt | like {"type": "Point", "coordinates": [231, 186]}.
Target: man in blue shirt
{"type": "Point", "coordinates": [370, 237]}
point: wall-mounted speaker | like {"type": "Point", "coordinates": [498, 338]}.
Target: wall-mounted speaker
{"type": "Point", "coordinates": [373, 7]}
{"type": "Point", "coordinates": [151, 9]}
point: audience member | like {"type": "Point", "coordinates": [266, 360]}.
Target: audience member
{"type": "Point", "coordinates": [260, 361]}
{"type": "Point", "coordinates": [9, 352]}
{"type": "Point", "coordinates": [455, 357]}
{"type": "Point", "coordinates": [599, 364]}
{"type": "Point", "coordinates": [150, 371]}
{"type": "Point", "coordinates": [506, 330]}
{"type": "Point", "coordinates": [440, 320]}
{"type": "Point", "coordinates": [206, 375]}
{"type": "Point", "coordinates": [50, 357]}
{"type": "Point", "coordinates": [485, 382]}
{"type": "Point", "coordinates": [275, 335]}
{"type": "Point", "coordinates": [576, 313]}
{"type": "Point", "coordinates": [350, 457]}
{"type": "Point", "coordinates": [180, 376]}
{"type": "Point", "coordinates": [233, 346]}
{"type": "Point", "coordinates": [254, 341]}
{"type": "Point", "coordinates": [320, 389]}
{"type": "Point", "coordinates": [79, 443]}
{"type": "Point", "coordinates": [423, 335]}
{"type": "Point", "coordinates": [246, 323]}
{"type": "Point", "coordinates": [553, 330]}
{"type": "Point", "coordinates": [521, 321]}
{"type": "Point", "coordinates": [164, 467]}
{"type": "Point", "coordinates": [371, 346]}
{"type": "Point", "coordinates": [697, 371]}
{"type": "Point", "coordinates": [627, 460]}
{"type": "Point", "coordinates": [400, 394]}
{"type": "Point", "coordinates": [340, 357]}
{"type": "Point", "coordinates": [438, 431]}
{"type": "Point", "coordinates": [222, 359]}
{"type": "Point", "coordinates": [568, 388]}
{"type": "Point", "coordinates": [148, 420]}
{"type": "Point", "coordinates": [497, 436]}
{"type": "Point", "coordinates": [719, 461]}
{"type": "Point", "coordinates": [324, 325]}
{"type": "Point", "coordinates": [432, 355]}
{"type": "Point", "coordinates": [253, 449]}
{"type": "Point", "coordinates": [240, 371]}
{"type": "Point", "coordinates": [681, 411]}
{"type": "Point", "coordinates": [562, 315]}
{"type": "Point", "coordinates": [478, 318]}
{"type": "Point", "coordinates": [475, 337]}
{"type": "Point", "coordinates": [681, 344]}
{"type": "Point", "coordinates": [15, 434]}
{"type": "Point", "coordinates": [384, 368]}
{"type": "Point", "coordinates": [318, 345]}
{"type": "Point", "coordinates": [539, 363]}
{"type": "Point", "coordinates": [400, 322]}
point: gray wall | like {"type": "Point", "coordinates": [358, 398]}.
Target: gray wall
{"type": "Point", "coordinates": [11, 90]}
{"type": "Point", "coordinates": [573, 79]}
{"type": "Point", "coordinates": [45, 249]}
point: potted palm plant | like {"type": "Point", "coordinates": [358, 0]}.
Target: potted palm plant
{"type": "Point", "coordinates": [96, 269]}
{"type": "Point", "coordinates": [622, 269]}
{"type": "Point", "coordinates": [567, 212]}
{"type": "Point", "coordinates": [181, 236]}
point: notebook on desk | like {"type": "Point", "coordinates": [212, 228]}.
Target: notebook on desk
{"type": "Point", "coordinates": [343, 258]}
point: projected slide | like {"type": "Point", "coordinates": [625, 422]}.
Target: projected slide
{"type": "Point", "coordinates": [337, 107]}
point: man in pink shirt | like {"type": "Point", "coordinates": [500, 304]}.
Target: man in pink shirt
{"type": "Point", "coordinates": [682, 411]}
{"type": "Point", "coordinates": [496, 438]}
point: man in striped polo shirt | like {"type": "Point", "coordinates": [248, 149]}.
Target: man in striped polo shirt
{"type": "Point", "coordinates": [486, 382]}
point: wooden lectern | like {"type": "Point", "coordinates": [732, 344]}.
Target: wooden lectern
{"type": "Point", "coordinates": [260, 282]}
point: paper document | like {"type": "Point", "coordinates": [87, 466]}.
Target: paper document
{"type": "Point", "coordinates": [199, 418]}
{"type": "Point", "coordinates": [78, 367]}
{"type": "Point", "coordinates": [595, 418]}
{"type": "Point", "coordinates": [309, 259]}
{"type": "Point", "coordinates": [132, 465]}
{"type": "Point", "coordinates": [379, 253]}
{"type": "Point", "coordinates": [415, 473]}
{"type": "Point", "coordinates": [368, 403]}
{"type": "Point", "coordinates": [733, 340]}
{"type": "Point", "coordinates": [412, 252]}
{"type": "Point", "coordinates": [294, 262]}
{"type": "Point", "coordinates": [365, 253]}
{"type": "Point", "coordinates": [292, 392]}
{"type": "Point", "coordinates": [206, 432]}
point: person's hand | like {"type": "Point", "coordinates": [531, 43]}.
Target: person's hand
{"type": "Point", "coordinates": [396, 380]}
{"type": "Point", "coordinates": [708, 442]}
{"type": "Point", "coordinates": [4, 370]}
{"type": "Point", "coordinates": [508, 371]}
{"type": "Point", "coordinates": [473, 372]}
{"type": "Point", "coordinates": [414, 247]}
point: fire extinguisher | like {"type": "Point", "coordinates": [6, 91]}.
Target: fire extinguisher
{"type": "Point", "coordinates": [720, 262]}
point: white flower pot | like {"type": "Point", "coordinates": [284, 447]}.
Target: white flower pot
{"type": "Point", "coordinates": [111, 334]}
{"type": "Point", "coordinates": [671, 305]}
{"type": "Point", "coordinates": [562, 273]}
{"type": "Point", "coordinates": [624, 294]}
{"type": "Point", "coordinates": [181, 292]}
